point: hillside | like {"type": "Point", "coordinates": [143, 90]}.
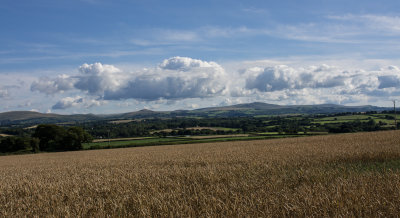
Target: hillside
{"type": "Point", "coordinates": [24, 115]}
{"type": "Point", "coordinates": [259, 108]}
{"type": "Point", "coordinates": [254, 105]}
{"type": "Point", "coordinates": [239, 110]}
{"type": "Point", "coordinates": [29, 117]}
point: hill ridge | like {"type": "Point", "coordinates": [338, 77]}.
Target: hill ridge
{"type": "Point", "coordinates": [239, 110]}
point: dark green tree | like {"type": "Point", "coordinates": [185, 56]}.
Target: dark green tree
{"type": "Point", "coordinates": [34, 142]}
{"type": "Point", "coordinates": [56, 138]}
{"type": "Point", "coordinates": [50, 136]}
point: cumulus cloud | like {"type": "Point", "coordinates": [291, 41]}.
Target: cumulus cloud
{"type": "Point", "coordinates": [52, 86]}
{"type": "Point", "coordinates": [390, 77]}
{"type": "Point", "coordinates": [174, 78]}
{"type": "Point", "coordinates": [180, 78]}
{"type": "Point", "coordinates": [96, 78]}
{"type": "Point", "coordinates": [69, 102]}
{"type": "Point", "coordinates": [287, 78]}
{"type": "Point", "coordinates": [323, 84]}
{"type": "Point", "coordinates": [186, 64]}
{"type": "Point", "coordinates": [283, 77]}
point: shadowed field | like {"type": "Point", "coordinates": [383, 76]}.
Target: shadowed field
{"type": "Point", "coordinates": [335, 175]}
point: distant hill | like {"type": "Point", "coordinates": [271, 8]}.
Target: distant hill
{"type": "Point", "coordinates": [24, 115]}
{"type": "Point", "coordinates": [141, 114]}
{"type": "Point", "coordinates": [254, 105]}
{"type": "Point", "coordinates": [259, 108]}
{"type": "Point", "coordinates": [239, 110]}
{"type": "Point", "coordinates": [30, 117]}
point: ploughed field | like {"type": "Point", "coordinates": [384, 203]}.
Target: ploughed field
{"type": "Point", "coordinates": [333, 175]}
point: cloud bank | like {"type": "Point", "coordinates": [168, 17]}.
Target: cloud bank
{"type": "Point", "coordinates": [282, 77]}
{"type": "Point", "coordinates": [180, 78]}
{"type": "Point", "coordinates": [174, 78]}
{"type": "Point", "coordinates": [324, 77]}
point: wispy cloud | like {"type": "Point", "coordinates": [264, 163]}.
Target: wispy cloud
{"type": "Point", "coordinates": [345, 29]}
{"type": "Point", "coordinates": [342, 29]}
{"type": "Point", "coordinates": [202, 35]}
{"type": "Point", "coordinates": [390, 25]}
{"type": "Point", "coordinates": [254, 10]}
{"type": "Point", "coordinates": [81, 55]}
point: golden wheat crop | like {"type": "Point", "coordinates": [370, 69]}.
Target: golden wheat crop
{"type": "Point", "coordinates": [336, 175]}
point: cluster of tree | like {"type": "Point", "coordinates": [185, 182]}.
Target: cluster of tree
{"type": "Point", "coordinates": [56, 138]}
{"type": "Point", "coordinates": [17, 131]}
{"type": "Point", "coordinates": [358, 126]}
{"type": "Point", "coordinates": [47, 137]}
{"type": "Point", "coordinates": [181, 126]}
{"type": "Point", "coordinates": [391, 112]}
{"type": "Point", "coordinates": [146, 127]}
{"type": "Point", "coordinates": [354, 126]}
{"type": "Point", "coordinates": [15, 143]}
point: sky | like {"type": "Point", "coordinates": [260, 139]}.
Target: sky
{"type": "Point", "coordinates": [114, 56]}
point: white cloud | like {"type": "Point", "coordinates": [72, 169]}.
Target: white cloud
{"type": "Point", "coordinates": [391, 79]}
{"type": "Point", "coordinates": [152, 37]}
{"type": "Point", "coordinates": [282, 77]}
{"type": "Point", "coordinates": [25, 104]}
{"type": "Point", "coordinates": [51, 86]}
{"type": "Point", "coordinates": [385, 24]}
{"type": "Point", "coordinates": [350, 28]}
{"type": "Point", "coordinates": [69, 102]}
{"type": "Point", "coordinates": [202, 35]}
{"type": "Point", "coordinates": [323, 84]}
{"type": "Point", "coordinates": [96, 78]}
{"type": "Point", "coordinates": [176, 36]}
{"type": "Point", "coordinates": [174, 78]}
{"type": "Point", "coordinates": [192, 106]}
{"type": "Point", "coordinates": [186, 64]}
{"type": "Point", "coordinates": [182, 82]}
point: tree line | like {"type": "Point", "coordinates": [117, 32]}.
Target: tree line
{"type": "Point", "coordinates": [187, 126]}
{"type": "Point", "coordinates": [47, 137]}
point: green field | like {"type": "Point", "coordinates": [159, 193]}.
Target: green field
{"type": "Point", "coordinates": [352, 118]}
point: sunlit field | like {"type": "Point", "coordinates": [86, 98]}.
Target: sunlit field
{"type": "Point", "coordinates": [332, 175]}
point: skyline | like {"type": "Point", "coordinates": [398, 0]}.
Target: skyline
{"type": "Point", "coordinates": [101, 56]}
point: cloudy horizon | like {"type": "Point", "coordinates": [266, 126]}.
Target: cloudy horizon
{"type": "Point", "coordinates": [103, 56]}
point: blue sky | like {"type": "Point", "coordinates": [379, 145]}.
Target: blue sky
{"type": "Point", "coordinates": [103, 56]}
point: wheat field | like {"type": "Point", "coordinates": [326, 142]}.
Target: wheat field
{"type": "Point", "coordinates": [347, 175]}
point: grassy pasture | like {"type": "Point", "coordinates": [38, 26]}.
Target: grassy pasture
{"type": "Point", "coordinates": [346, 175]}
{"type": "Point", "coordinates": [360, 117]}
